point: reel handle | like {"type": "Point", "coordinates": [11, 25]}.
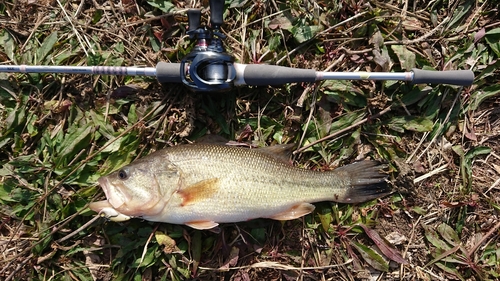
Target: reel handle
{"type": "Point", "coordinates": [194, 18]}
{"type": "Point", "coordinates": [216, 13]}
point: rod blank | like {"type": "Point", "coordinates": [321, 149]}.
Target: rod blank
{"type": "Point", "coordinates": [258, 74]}
{"type": "Point", "coordinates": [96, 70]}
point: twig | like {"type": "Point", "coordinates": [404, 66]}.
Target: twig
{"type": "Point", "coordinates": [78, 36]}
{"type": "Point", "coordinates": [421, 38]}
{"type": "Point", "coordinates": [474, 248]}
{"type": "Point", "coordinates": [19, 267]}
{"type": "Point", "coordinates": [344, 130]}
{"type": "Point", "coordinates": [441, 126]}
{"type": "Point", "coordinates": [37, 24]}
{"type": "Point", "coordinates": [431, 173]}
{"type": "Point", "coordinates": [152, 19]}
{"type": "Point", "coordinates": [444, 255]}
{"type": "Point", "coordinates": [98, 216]}
{"type": "Point", "coordinates": [311, 111]}
{"type": "Point", "coordinates": [412, 235]}
{"type": "Point", "coordinates": [145, 250]}
{"type": "Point", "coordinates": [300, 101]}
{"type": "Point", "coordinates": [276, 265]}
{"type": "Point", "coordinates": [434, 275]}
{"type": "Point", "coordinates": [494, 185]}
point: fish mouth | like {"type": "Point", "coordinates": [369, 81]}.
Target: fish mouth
{"type": "Point", "coordinates": [103, 182]}
{"type": "Point", "coordinates": [113, 194]}
{"type": "Point", "coordinates": [106, 210]}
{"type": "Point", "coordinates": [99, 206]}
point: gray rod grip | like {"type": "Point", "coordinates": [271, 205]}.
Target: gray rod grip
{"type": "Point", "coordinates": [452, 77]}
{"type": "Point", "coordinates": [168, 72]}
{"type": "Point", "coordinates": [263, 75]}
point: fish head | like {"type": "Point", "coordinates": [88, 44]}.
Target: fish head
{"type": "Point", "coordinates": [137, 190]}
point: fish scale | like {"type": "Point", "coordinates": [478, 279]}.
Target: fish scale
{"type": "Point", "coordinates": [202, 185]}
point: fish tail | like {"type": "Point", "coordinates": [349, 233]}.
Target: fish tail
{"type": "Point", "coordinates": [367, 181]}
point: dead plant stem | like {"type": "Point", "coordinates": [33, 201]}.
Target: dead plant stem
{"type": "Point", "coordinates": [387, 109]}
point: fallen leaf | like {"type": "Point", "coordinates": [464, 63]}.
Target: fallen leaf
{"type": "Point", "coordinates": [126, 90]}
{"type": "Point", "coordinates": [232, 260]}
{"type": "Point", "coordinates": [371, 256]}
{"type": "Point", "coordinates": [280, 22]}
{"type": "Point", "coordinates": [396, 238]}
{"type": "Point", "coordinates": [479, 35]}
{"type": "Point", "coordinates": [167, 241]}
{"type": "Point", "coordinates": [384, 246]}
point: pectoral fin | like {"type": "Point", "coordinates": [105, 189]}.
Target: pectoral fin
{"type": "Point", "coordinates": [202, 224]}
{"type": "Point", "coordinates": [199, 191]}
{"type": "Point", "coordinates": [294, 212]}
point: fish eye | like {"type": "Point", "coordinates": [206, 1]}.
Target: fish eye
{"type": "Point", "coordinates": [122, 174]}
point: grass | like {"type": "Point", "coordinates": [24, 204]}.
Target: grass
{"type": "Point", "coordinates": [60, 133]}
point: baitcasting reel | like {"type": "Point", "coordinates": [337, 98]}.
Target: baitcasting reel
{"type": "Point", "coordinates": [208, 67]}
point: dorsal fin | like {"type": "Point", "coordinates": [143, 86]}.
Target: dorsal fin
{"type": "Point", "coordinates": [282, 152]}
{"type": "Point", "coordinates": [212, 139]}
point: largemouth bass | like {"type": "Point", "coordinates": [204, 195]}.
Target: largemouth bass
{"type": "Point", "coordinates": [202, 185]}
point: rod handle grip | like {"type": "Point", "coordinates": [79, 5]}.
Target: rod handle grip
{"type": "Point", "coordinates": [452, 77]}
{"type": "Point", "coordinates": [168, 72]}
{"type": "Point", "coordinates": [263, 75]}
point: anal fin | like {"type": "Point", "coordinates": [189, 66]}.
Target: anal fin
{"type": "Point", "coordinates": [201, 224]}
{"type": "Point", "coordinates": [199, 191]}
{"type": "Point", "coordinates": [294, 212]}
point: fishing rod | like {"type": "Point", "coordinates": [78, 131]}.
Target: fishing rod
{"type": "Point", "coordinates": [208, 68]}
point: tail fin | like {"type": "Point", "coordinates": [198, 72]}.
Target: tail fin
{"type": "Point", "coordinates": [367, 182]}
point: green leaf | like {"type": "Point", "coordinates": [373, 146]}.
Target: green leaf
{"type": "Point", "coordinates": [493, 39]}
{"type": "Point", "coordinates": [162, 5]}
{"type": "Point", "coordinates": [418, 124]}
{"type": "Point", "coordinates": [371, 256]}
{"type": "Point", "coordinates": [97, 16]}
{"type": "Point", "coordinates": [8, 44]}
{"type": "Point", "coordinates": [303, 33]}
{"type": "Point", "coordinates": [148, 259]}
{"type": "Point", "coordinates": [415, 95]}
{"type": "Point", "coordinates": [73, 143]}
{"type": "Point", "coordinates": [324, 212]}
{"type": "Point", "coordinates": [259, 234]}
{"type": "Point", "coordinates": [344, 92]}
{"type": "Point", "coordinates": [432, 236]}
{"type": "Point", "coordinates": [132, 115]}
{"type": "Point", "coordinates": [448, 234]}
{"type": "Point", "coordinates": [46, 47]}
{"type": "Point", "coordinates": [459, 13]}
{"type": "Point", "coordinates": [476, 151]}
{"type": "Point", "coordinates": [274, 43]}
{"type": "Point", "coordinates": [410, 123]}
{"type": "Point", "coordinates": [482, 94]}
{"type": "Point", "coordinates": [406, 57]}
{"type": "Point", "coordinates": [450, 270]}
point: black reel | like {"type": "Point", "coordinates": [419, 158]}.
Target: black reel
{"type": "Point", "coordinates": [208, 67]}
